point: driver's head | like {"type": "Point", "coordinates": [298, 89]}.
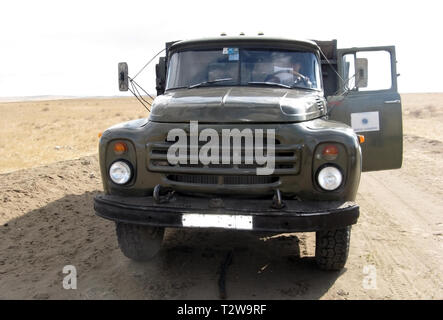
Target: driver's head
{"type": "Point", "coordinates": [296, 66]}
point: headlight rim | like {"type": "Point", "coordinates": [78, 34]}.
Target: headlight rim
{"type": "Point", "coordinates": [131, 172]}
{"type": "Point", "coordinates": [333, 166]}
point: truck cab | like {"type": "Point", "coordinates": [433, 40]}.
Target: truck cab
{"type": "Point", "coordinates": [253, 133]}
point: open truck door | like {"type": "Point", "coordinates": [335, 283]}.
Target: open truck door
{"type": "Point", "coordinates": [370, 103]}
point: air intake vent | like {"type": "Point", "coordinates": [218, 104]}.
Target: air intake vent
{"type": "Point", "coordinates": [226, 180]}
{"type": "Point", "coordinates": [320, 103]}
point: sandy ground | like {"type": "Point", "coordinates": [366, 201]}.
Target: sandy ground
{"type": "Point", "coordinates": [58, 129]}
{"type": "Point", "coordinates": [47, 221]}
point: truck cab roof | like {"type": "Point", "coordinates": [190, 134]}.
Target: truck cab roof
{"type": "Point", "coordinates": [260, 41]}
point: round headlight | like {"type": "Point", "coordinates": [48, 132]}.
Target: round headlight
{"type": "Point", "coordinates": [329, 178]}
{"type": "Point", "coordinates": [120, 172]}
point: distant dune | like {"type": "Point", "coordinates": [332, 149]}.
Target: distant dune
{"type": "Point", "coordinates": [53, 97]}
{"type": "Point", "coordinates": [34, 98]}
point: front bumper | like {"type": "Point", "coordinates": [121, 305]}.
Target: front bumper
{"type": "Point", "coordinates": [296, 216]}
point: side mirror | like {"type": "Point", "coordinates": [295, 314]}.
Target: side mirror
{"type": "Point", "coordinates": [361, 72]}
{"type": "Point", "coordinates": [123, 76]}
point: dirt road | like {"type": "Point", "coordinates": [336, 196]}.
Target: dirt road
{"type": "Point", "coordinates": [47, 222]}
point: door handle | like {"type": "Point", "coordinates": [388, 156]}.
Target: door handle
{"type": "Point", "coordinates": [392, 101]}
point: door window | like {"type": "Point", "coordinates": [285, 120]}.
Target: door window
{"type": "Point", "coordinates": [367, 70]}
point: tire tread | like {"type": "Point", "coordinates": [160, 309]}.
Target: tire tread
{"type": "Point", "coordinates": [332, 248]}
{"type": "Point", "coordinates": [139, 242]}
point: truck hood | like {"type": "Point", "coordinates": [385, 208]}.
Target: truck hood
{"type": "Point", "coordinates": [237, 104]}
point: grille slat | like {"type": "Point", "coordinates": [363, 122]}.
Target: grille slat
{"type": "Point", "coordinates": [225, 180]}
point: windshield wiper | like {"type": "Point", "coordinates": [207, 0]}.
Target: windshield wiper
{"type": "Point", "coordinates": [301, 87]}
{"type": "Point", "coordinates": [271, 84]}
{"type": "Point", "coordinates": [280, 85]}
{"type": "Point", "coordinates": [208, 82]}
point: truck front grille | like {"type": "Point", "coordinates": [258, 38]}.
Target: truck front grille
{"type": "Point", "coordinates": [287, 162]}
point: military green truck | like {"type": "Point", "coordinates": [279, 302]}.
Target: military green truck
{"type": "Point", "coordinates": [252, 133]}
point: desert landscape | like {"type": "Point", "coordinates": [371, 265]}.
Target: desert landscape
{"type": "Point", "coordinates": [49, 175]}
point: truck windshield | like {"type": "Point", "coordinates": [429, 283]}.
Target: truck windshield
{"type": "Point", "coordinates": [231, 66]}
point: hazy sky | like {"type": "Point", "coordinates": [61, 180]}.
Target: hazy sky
{"type": "Point", "coordinates": [73, 47]}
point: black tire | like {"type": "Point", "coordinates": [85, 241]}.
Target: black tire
{"type": "Point", "coordinates": [139, 242]}
{"type": "Point", "coordinates": [332, 248]}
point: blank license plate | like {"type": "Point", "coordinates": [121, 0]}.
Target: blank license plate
{"type": "Point", "coordinates": [217, 221]}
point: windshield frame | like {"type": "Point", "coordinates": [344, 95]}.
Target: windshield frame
{"type": "Point", "coordinates": [241, 47]}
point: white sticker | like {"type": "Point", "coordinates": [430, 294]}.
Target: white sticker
{"type": "Point", "coordinates": [276, 69]}
{"type": "Point", "coordinates": [365, 121]}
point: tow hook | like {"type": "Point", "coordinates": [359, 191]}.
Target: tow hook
{"type": "Point", "coordinates": [162, 194]}
{"type": "Point", "coordinates": [277, 202]}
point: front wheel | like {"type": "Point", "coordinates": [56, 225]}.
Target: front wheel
{"type": "Point", "coordinates": [332, 248]}
{"type": "Point", "coordinates": [139, 242]}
